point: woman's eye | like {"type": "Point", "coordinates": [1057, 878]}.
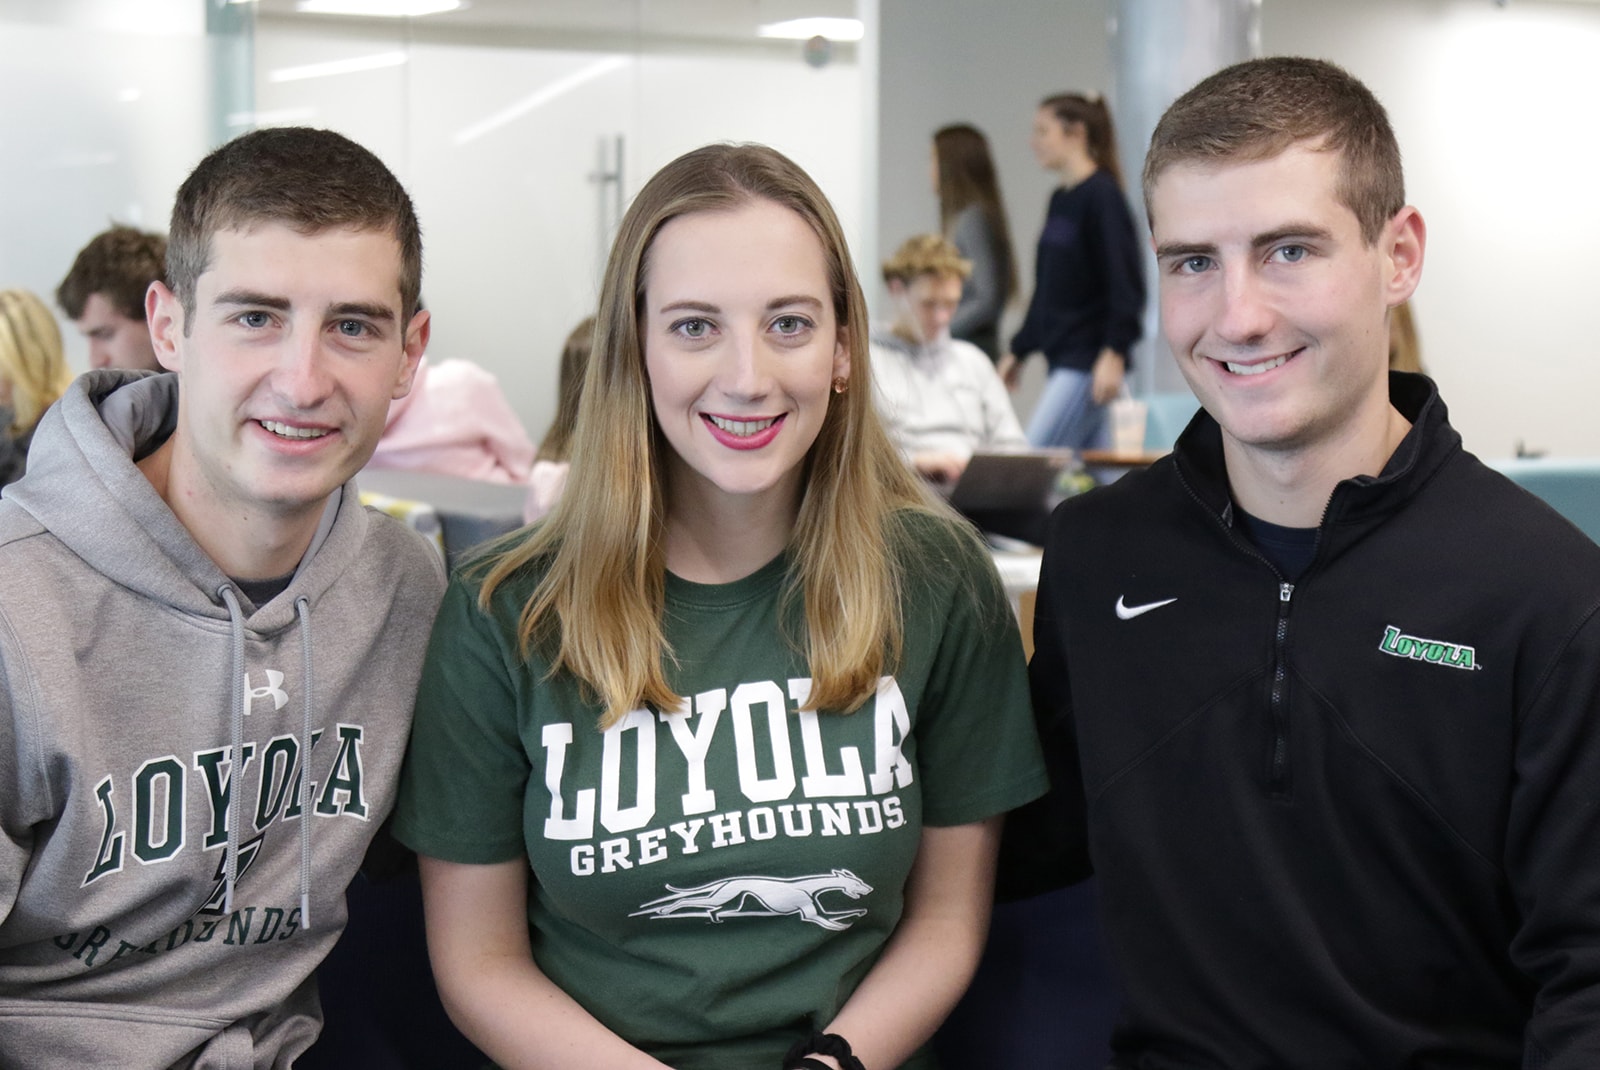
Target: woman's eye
{"type": "Point", "coordinates": [692, 328]}
{"type": "Point", "coordinates": [790, 324]}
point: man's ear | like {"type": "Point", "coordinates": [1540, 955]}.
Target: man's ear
{"type": "Point", "coordinates": [416, 344]}
{"type": "Point", "coordinates": [1405, 239]}
{"type": "Point", "coordinates": [163, 314]}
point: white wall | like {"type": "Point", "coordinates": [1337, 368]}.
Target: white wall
{"type": "Point", "coordinates": [1494, 110]}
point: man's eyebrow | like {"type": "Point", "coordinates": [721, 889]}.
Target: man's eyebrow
{"type": "Point", "coordinates": [361, 308]}
{"type": "Point", "coordinates": [1178, 250]}
{"type": "Point", "coordinates": [251, 297]}
{"type": "Point", "coordinates": [1303, 231]}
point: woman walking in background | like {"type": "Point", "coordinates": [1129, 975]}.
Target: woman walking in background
{"type": "Point", "coordinates": [1088, 294]}
{"type": "Point", "coordinates": [972, 215]}
{"type": "Point", "coordinates": [33, 374]}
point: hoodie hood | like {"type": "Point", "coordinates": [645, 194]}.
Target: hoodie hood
{"type": "Point", "coordinates": [84, 487]}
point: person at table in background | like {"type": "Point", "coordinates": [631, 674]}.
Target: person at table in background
{"type": "Point", "coordinates": [455, 421]}
{"type": "Point", "coordinates": [1405, 346]}
{"type": "Point", "coordinates": [33, 374]}
{"type": "Point", "coordinates": [174, 849]}
{"type": "Point", "coordinates": [104, 295]}
{"type": "Point", "coordinates": [1088, 293]}
{"type": "Point", "coordinates": [708, 767]}
{"type": "Point", "coordinates": [940, 398]}
{"type": "Point", "coordinates": [549, 474]}
{"type": "Point", "coordinates": [1321, 690]}
{"type": "Point", "coordinates": [973, 216]}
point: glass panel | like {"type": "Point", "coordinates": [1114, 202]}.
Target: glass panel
{"type": "Point", "coordinates": [108, 106]}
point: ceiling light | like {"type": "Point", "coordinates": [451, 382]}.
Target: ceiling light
{"type": "Point", "coordinates": [355, 64]}
{"type": "Point", "coordinates": [380, 9]}
{"type": "Point", "coordinates": [805, 29]}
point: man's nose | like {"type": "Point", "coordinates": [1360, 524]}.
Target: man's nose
{"type": "Point", "coordinates": [1246, 314]}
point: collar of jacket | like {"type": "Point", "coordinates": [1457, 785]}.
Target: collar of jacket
{"type": "Point", "coordinates": [1359, 503]}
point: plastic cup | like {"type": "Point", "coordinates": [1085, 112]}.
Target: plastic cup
{"type": "Point", "coordinates": [1127, 424]}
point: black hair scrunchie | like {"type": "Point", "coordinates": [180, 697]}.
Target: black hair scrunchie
{"type": "Point", "coordinates": [821, 1044]}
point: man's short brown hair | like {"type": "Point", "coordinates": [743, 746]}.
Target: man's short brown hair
{"type": "Point", "coordinates": [1256, 109]}
{"type": "Point", "coordinates": [308, 180]}
{"type": "Point", "coordinates": [925, 254]}
{"type": "Point", "coordinates": [119, 264]}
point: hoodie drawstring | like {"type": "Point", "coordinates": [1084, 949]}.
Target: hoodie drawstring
{"type": "Point", "coordinates": [236, 764]}
{"type": "Point", "coordinates": [241, 684]}
{"type": "Point", "coordinates": [302, 610]}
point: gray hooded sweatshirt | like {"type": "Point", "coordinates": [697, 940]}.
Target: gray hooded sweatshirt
{"type": "Point", "coordinates": [131, 670]}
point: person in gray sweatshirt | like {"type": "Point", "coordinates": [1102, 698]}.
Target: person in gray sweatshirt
{"type": "Point", "coordinates": [208, 649]}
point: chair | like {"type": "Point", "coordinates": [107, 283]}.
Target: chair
{"type": "Point", "coordinates": [1570, 486]}
{"type": "Point", "coordinates": [1168, 414]}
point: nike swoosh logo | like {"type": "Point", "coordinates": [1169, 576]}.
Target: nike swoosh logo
{"type": "Point", "coordinates": [1126, 612]}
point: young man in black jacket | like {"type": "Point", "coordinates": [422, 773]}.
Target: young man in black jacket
{"type": "Point", "coordinates": [1320, 689]}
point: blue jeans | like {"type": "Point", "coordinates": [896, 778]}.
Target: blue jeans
{"type": "Point", "coordinates": [1067, 415]}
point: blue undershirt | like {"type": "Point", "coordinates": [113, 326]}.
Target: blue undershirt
{"type": "Point", "coordinates": [1289, 549]}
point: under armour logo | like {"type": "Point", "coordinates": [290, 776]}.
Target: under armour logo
{"type": "Point", "coordinates": [280, 697]}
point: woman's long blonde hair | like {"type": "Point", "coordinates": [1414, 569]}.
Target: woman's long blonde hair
{"type": "Point", "coordinates": [31, 358]}
{"type": "Point", "coordinates": [597, 608]}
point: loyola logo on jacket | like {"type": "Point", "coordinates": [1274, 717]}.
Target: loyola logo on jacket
{"type": "Point", "coordinates": [1435, 651]}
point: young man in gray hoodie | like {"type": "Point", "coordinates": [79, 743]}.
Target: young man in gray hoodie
{"type": "Point", "coordinates": [187, 780]}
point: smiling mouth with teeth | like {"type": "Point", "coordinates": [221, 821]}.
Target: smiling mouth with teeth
{"type": "Point", "coordinates": [286, 431]}
{"type": "Point", "coordinates": [741, 427]}
{"type": "Point", "coordinates": [1257, 369]}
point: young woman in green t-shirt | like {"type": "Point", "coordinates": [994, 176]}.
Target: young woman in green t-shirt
{"type": "Point", "coordinates": [622, 701]}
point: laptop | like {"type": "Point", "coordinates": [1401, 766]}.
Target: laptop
{"type": "Point", "coordinates": [1009, 480]}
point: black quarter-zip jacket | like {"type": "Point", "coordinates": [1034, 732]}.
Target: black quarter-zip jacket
{"type": "Point", "coordinates": [1352, 821]}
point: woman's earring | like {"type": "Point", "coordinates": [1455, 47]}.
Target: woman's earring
{"type": "Point", "coordinates": [839, 384]}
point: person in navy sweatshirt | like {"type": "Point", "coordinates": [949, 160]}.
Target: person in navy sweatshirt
{"type": "Point", "coordinates": [1088, 293]}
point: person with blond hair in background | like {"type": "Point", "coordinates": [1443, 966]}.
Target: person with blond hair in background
{"type": "Point", "coordinates": [973, 216]}
{"type": "Point", "coordinates": [938, 396]}
{"type": "Point", "coordinates": [1088, 293]}
{"type": "Point", "coordinates": [709, 766]}
{"type": "Point", "coordinates": [33, 374]}
{"type": "Point", "coordinates": [1405, 346]}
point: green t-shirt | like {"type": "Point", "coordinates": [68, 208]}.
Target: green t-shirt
{"type": "Point", "coordinates": [713, 884]}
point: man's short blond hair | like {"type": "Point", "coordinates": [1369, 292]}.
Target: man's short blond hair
{"type": "Point", "coordinates": [925, 254]}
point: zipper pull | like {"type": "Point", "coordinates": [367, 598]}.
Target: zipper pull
{"type": "Point", "coordinates": [1284, 591]}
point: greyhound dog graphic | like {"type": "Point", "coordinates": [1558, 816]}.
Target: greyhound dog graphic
{"type": "Point", "coordinates": [751, 897]}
